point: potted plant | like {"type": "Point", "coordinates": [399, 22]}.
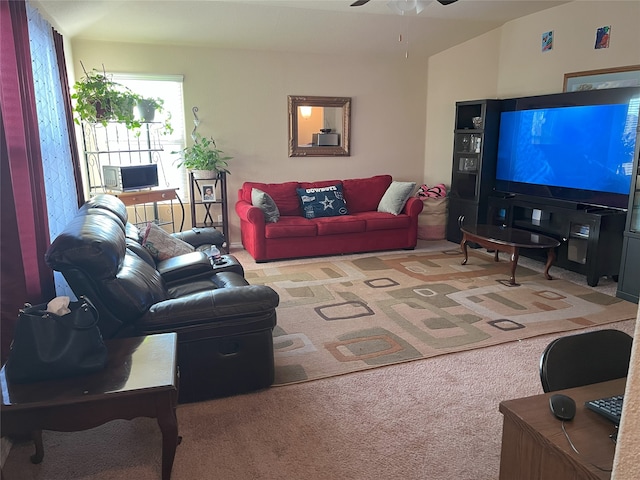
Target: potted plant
{"type": "Point", "coordinates": [147, 109]}
{"type": "Point", "coordinates": [203, 155]}
{"type": "Point", "coordinates": [100, 99]}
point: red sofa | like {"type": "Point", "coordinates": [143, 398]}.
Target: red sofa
{"type": "Point", "coordinates": [363, 229]}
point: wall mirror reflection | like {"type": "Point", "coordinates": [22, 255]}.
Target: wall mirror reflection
{"type": "Point", "coordinates": [319, 126]}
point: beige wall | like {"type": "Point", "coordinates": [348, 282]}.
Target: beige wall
{"type": "Point", "coordinates": [508, 63]}
{"type": "Point", "coordinates": [467, 72]}
{"type": "Point", "coordinates": [626, 465]}
{"type": "Point", "coordinates": [242, 101]}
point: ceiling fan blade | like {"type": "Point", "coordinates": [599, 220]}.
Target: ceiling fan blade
{"type": "Point", "coordinates": [446, 2]}
{"type": "Point", "coordinates": [359, 3]}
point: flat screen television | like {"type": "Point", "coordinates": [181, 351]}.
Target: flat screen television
{"type": "Point", "coordinates": [576, 147]}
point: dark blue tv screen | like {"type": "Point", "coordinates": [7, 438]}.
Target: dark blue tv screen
{"type": "Point", "coordinates": [576, 153]}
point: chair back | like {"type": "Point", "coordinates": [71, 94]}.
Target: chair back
{"type": "Point", "coordinates": [585, 358]}
{"type": "Point", "coordinates": [92, 254]}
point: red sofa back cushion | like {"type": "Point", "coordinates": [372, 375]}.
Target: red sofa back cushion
{"type": "Point", "coordinates": [360, 194]}
{"type": "Point", "coordinates": [284, 194]}
{"type": "Point", "coordinates": [364, 194]}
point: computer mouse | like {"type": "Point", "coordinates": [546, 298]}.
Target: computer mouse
{"type": "Point", "coordinates": [562, 406]}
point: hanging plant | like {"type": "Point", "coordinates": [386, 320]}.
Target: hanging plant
{"type": "Point", "coordinates": [99, 100]}
{"type": "Point", "coordinates": [147, 109]}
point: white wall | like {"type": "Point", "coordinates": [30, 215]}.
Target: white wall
{"type": "Point", "coordinates": [242, 101]}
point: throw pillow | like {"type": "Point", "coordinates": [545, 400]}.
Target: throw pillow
{"type": "Point", "coordinates": [436, 191]}
{"type": "Point", "coordinates": [162, 245]}
{"type": "Point", "coordinates": [265, 203]}
{"type": "Point", "coordinates": [322, 201]}
{"type": "Point", "coordinates": [395, 197]}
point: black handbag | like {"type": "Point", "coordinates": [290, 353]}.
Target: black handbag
{"type": "Point", "coordinates": [48, 346]}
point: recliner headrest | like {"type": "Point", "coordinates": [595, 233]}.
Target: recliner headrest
{"type": "Point", "coordinates": [107, 202]}
{"type": "Point", "coordinates": [93, 243]}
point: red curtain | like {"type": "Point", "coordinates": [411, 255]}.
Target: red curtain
{"type": "Point", "coordinates": [23, 219]}
{"type": "Point", "coordinates": [73, 145]}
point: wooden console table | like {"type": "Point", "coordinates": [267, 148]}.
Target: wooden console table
{"type": "Point", "coordinates": [535, 448]}
{"type": "Point", "coordinates": [140, 380]}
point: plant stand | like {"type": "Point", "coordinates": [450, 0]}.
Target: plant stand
{"type": "Point", "coordinates": [210, 210]}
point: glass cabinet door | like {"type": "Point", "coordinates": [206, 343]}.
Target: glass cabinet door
{"type": "Point", "coordinates": [634, 222]}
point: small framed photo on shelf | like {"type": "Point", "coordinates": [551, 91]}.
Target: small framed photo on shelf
{"type": "Point", "coordinates": [208, 193]}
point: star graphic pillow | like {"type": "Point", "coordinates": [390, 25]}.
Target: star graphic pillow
{"type": "Point", "coordinates": [322, 201]}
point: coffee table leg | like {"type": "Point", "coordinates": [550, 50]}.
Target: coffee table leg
{"type": "Point", "coordinates": [168, 423]}
{"type": "Point", "coordinates": [551, 257]}
{"type": "Point", "coordinates": [463, 247]}
{"type": "Point", "coordinates": [514, 263]}
{"type": "Point", "coordinates": [37, 457]}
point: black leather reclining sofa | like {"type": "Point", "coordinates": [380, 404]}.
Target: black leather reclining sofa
{"type": "Point", "coordinates": [224, 325]}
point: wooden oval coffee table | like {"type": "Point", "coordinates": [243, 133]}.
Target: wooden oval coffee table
{"type": "Point", "coordinates": [509, 240]}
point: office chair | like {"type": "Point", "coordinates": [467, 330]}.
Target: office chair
{"type": "Point", "coordinates": [585, 358]}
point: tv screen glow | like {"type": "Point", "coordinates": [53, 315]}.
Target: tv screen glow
{"type": "Point", "coordinates": [572, 152]}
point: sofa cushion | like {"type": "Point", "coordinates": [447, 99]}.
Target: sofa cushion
{"type": "Point", "coordinates": [338, 225]}
{"type": "Point", "coordinates": [364, 194]}
{"type": "Point", "coordinates": [322, 201]}
{"type": "Point", "coordinates": [283, 194]}
{"type": "Point", "coordinates": [162, 245]}
{"type": "Point", "coordinates": [384, 221]}
{"type": "Point", "coordinates": [290, 226]}
{"type": "Point", "coordinates": [319, 184]}
{"type": "Point", "coordinates": [264, 202]}
{"type": "Point", "coordinates": [395, 197]}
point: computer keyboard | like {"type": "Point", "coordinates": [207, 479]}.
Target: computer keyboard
{"type": "Point", "coordinates": [608, 407]}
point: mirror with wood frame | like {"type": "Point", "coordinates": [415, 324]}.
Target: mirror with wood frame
{"type": "Point", "coordinates": [319, 126]}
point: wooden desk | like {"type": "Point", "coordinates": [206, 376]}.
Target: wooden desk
{"type": "Point", "coordinates": [147, 196]}
{"type": "Point", "coordinates": [140, 380]}
{"type": "Point", "coordinates": [151, 196]}
{"type": "Point", "coordinates": [535, 448]}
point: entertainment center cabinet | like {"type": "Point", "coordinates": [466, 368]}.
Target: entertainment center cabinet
{"type": "Point", "coordinates": [590, 237]}
{"type": "Point", "coordinates": [629, 281]}
{"type": "Point", "coordinates": [472, 175]}
{"type": "Point", "coordinates": [562, 165]}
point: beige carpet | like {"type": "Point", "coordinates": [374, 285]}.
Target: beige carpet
{"type": "Point", "coordinates": [344, 314]}
{"type": "Point", "coordinates": [433, 419]}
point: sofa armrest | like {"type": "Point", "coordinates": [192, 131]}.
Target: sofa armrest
{"type": "Point", "coordinates": [201, 236]}
{"type": "Point", "coordinates": [413, 207]}
{"type": "Point", "coordinates": [249, 213]}
{"type": "Point", "coordinates": [185, 266]}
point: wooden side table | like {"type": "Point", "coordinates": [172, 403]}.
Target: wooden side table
{"type": "Point", "coordinates": [140, 380]}
{"type": "Point", "coordinates": [151, 196]}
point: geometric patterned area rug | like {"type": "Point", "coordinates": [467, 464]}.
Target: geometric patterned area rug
{"type": "Point", "coordinates": [340, 316]}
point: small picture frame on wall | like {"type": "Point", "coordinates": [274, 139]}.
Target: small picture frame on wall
{"type": "Point", "coordinates": [617, 77]}
{"type": "Point", "coordinates": [603, 34]}
{"type": "Point", "coordinates": [547, 41]}
{"type": "Point", "coordinates": [208, 193]}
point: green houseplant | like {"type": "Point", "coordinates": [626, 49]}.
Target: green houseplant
{"type": "Point", "coordinates": [147, 109]}
{"type": "Point", "coordinates": [203, 154]}
{"type": "Point", "coordinates": [100, 99]}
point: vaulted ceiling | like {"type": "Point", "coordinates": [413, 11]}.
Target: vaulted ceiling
{"type": "Point", "coordinates": [304, 26]}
